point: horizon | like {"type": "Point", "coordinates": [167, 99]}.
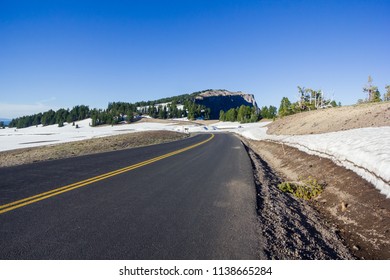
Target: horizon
{"type": "Point", "coordinates": [66, 53]}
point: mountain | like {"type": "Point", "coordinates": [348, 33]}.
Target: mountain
{"type": "Point", "coordinates": [224, 100]}
{"type": "Point", "coordinates": [5, 121]}
{"type": "Point", "coordinates": [215, 99]}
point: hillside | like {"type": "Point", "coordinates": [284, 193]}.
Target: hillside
{"type": "Point", "coordinates": [333, 119]}
{"type": "Point", "coordinates": [224, 100]}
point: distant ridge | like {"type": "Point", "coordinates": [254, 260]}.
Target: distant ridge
{"type": "Point", "coordinates": [5, 121]}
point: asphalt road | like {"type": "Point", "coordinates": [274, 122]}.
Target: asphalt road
{"type": "Point", "coordinates": [196, 204]}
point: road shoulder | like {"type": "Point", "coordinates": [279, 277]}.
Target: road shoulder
{"type": "Point", "coordinates": [357, 213]}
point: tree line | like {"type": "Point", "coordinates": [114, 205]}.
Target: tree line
{"type": "Point", "coordinates": [242, 114]}
{"type": "Point", "coordinates": [115, 113]}
{"type": "Point", "coordinates": [50, 117]}
{"type": "Point", "coordinates": [268, 112]}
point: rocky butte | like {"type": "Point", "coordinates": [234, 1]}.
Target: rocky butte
{"type": "Point", "coordinates": [224, 100]}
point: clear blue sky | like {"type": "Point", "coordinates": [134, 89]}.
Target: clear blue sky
{"type": "Point", "coordinates": [63, 53]}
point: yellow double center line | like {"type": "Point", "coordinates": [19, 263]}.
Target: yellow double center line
{"type": "Point", "coordinates": [32, 199]}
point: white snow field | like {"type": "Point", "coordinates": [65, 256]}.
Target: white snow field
{"type": "Point", "coordinates": [366, 151]}
{"type": "Point", "coordinates": [33, 136]}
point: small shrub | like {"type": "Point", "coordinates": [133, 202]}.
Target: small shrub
{"type": "Point", "coordinates": [305, 189]}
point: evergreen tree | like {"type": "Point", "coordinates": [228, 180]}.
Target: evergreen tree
{"type": "Point", "coordinates": [231, 115]}
{"type": "Point", "coordinates": [37, 119]}
{"type": "Point", "coordinates": [265, 112]}
{"type": "Point", "coordinates": [191, 110]}
{"type": "Point", "coordinates": [241, 113]}
{"type": "Point", "coordinates": [207, 112]}
{"type": "Point", "coordinates": [254, 116]}
{"type": "Point", "coordinates": [162, 112]}
{"type": "Point", "coordinates": [222, 117]}
{"type": "Point", "coordinates": [272, 111]}
{"type": "Point", "coordinates": [48, 118]}
{"type": "Point", "coordinates": [61, 116]}
{"type": "Point", "coordinates": [285, 108]}
{"type": "Point", "coordinates": [376, 96]}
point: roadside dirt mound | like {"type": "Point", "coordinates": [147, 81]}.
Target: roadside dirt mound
{"type": "Point", "coordinates": [357, 211]}
{"type": "Point", "coordinates": [333, 119]}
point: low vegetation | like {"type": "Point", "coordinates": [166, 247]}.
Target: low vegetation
{"type": "Point", "coordinates": [304, 188]}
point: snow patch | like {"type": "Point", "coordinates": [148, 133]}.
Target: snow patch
{"type": "Point", "coordinates": [366, 151]}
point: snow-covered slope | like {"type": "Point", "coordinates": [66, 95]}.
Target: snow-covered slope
{"type": "Point", "coordinates": [33, 136]}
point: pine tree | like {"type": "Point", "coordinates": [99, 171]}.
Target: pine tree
{"type": "Point", "coordinates": [285, 108]}
{"type": "Point", "coordinates": [376, 95]}
{"type": "Point", "coordinates": [222, 116]}
{"type": "Point", "coordinates": [272, 112]}
{"type": "Point", "coordinates": [265, 112]}
{"type": "Point", "coordinates": [254, 117]}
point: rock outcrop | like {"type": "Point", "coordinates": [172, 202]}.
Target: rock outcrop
{"type": "Point", "coordinates": [224, 100]}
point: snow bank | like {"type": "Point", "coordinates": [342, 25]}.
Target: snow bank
{"type": "Point", "coordinates": [366, 151]}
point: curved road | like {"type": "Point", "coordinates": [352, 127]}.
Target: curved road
{"type": "Point", "coordinates": [195, 203]}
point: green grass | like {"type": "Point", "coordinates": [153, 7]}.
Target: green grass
{"type": "Point", "coordinates": [304, 189]}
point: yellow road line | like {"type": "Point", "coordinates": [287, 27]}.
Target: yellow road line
{"type": "Point", "coordinates": [32, 199]}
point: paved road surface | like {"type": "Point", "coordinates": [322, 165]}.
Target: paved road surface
{"type": "Point", "coordinates": [197, 204]}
